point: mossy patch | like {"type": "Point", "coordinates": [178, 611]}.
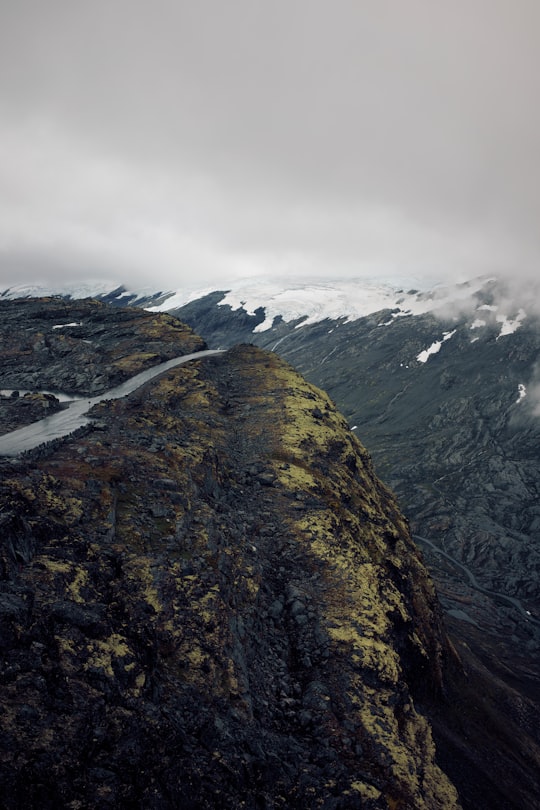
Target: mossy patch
{"type": "Point", "coordinates": [104, 653]}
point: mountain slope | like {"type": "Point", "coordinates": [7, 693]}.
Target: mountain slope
{"type": "Point", "coordinates": [445, 401]}
{"type": "Point", "coordinates": [212, 601]}
{"type": "Point", "coordinates": [83, 347]}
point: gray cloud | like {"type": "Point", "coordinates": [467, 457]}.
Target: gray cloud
{"type": "Point", "coordinates": [188, 141]}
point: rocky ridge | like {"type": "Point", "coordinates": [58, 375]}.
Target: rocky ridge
{"type": "Point", "coordinates": [212, 601]}
{"type": "Point", "coordinates": [454, 432]}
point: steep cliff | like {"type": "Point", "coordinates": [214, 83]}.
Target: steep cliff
{"type": "Point", "coordinates": [450, 422]}
{"type": "Point", "coordinates": [211, 601]}
{"type": "Point", "coordinates": [447, 403]}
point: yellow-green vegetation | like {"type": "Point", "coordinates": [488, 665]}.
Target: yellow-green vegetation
{"type": "Point", "coordinates": [149, 338]}
{"type": "Point", "coordinates": [166, 327]}
{"type": "Point", "coordinates": [67, 577]}
{"type": "Point", "coordinates": [39, 399]}
{"type": "Point", "coordinates": [133, 363]}
{"type": "Point", "coordinates": [103, 653]}
{"type": "Point", "coordinates": [365, 790]}
{"type": "Point", "coordinates": [358, 532]}
{"type": "Point", "coordinates": [79, 582]}
{"type": "Point", "coordinates": [139, 571]}
{"type": "Point", "coordinates": [46, 496]}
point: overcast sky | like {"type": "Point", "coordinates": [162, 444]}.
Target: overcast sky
{"type": "Point", "coordinates": [182, 142]}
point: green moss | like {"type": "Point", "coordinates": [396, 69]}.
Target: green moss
{"type": "Point", "coordinates": [57, 566]}
{"type": "Point", "coordinates": [74, 578]}
{"type": "Point", "coordinates": [367, 792]}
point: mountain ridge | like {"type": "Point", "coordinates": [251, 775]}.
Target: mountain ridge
{"type": "Point", "coordinates": [297, 300]}
{"type": "Point", "coordinates": [470, 381]}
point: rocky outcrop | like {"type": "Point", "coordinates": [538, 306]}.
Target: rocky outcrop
{"type": "Point", "coordinates": [17, 410]}
{"type": "Point", "coordinates": [83, 347]}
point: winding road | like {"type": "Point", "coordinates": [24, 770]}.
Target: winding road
{"type": "Point", "coordinates": [75, 416]}
{"type": "Point", "coordinates": [498, 597]}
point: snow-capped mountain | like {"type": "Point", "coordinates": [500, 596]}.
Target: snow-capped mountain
{"type": "Point", "coordinates": [114, 292]}
{"type": "Point", "coordinates": [306, 302]}
{"type": "Point", "coordinates": [325, 298]}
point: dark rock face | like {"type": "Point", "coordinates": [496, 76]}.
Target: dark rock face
{"type": "Point", "coordinates": [226, 326]}
{"type": "Point", "coordinates": [213, 602]}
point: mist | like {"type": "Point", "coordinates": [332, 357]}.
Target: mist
{"type": "Point", "coordinates": [181, 144]}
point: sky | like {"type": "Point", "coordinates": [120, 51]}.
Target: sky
{"type": "Point", "coordinates": [180, 143]}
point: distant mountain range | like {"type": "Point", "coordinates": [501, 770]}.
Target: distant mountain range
{"type": "Point", "coordinates": [298, 301]}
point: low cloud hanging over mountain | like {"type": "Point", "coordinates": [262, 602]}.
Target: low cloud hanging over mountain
{"type": "Point", "coordinates": [182, 142]}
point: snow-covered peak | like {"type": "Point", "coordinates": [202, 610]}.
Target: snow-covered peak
{"type": "Point", "coordinates": [313, 301]}
{"type": "Point", "coordinates": [349, 299]}
{"type": "Point", "coordinates": [310, 301]}
{"type": "Point", "coordinates": [90, 289]}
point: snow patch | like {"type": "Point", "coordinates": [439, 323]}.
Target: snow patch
{"type": "Point", "coordinates": [66, 325]}
{"type": "Point", "coordinates": [509, 325]}
{"type": "Point", "coordinates": [522, 393]}
{"type": "Point", "coordinates": [424, 356]}
{"type": "Point", "coordinates": [433, 349]}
